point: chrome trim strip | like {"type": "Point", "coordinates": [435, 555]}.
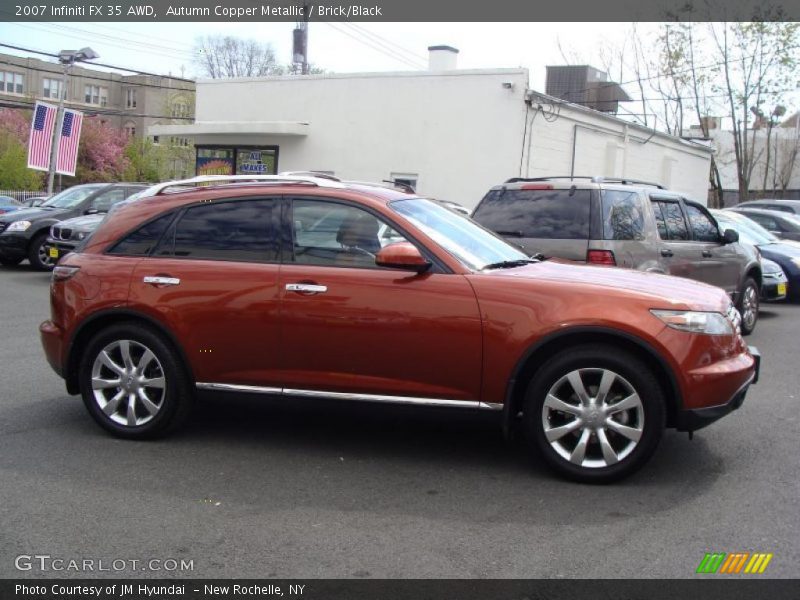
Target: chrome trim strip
{"type": "Point", "coordinates": [230, 387]}
{"type": "Point", "coordinates": [379, 398]}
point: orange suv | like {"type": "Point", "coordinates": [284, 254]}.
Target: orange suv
{"type": "Point", "coordinates": [306, 287]}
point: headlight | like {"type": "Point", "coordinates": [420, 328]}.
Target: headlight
{"type": "Point", "coordinates": [19, 226]}
{"type": "Point", "coordinates": [80, 235]}
{"type": "Point", "coordinates": [709, 323]}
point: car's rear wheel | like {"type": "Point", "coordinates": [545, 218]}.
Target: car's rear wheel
{"type": "Point", "coordinates": [748, 305]}
{"type": "Point", "coordinates": [38, 254]}
{"type": "Point", "coordinates": [595, 413]}
{"type": "Point", "coordinates": [132, 382]}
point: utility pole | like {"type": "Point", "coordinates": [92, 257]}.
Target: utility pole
{"type": "Point", "coordinates": [306, 18]}
{"type": "Point", "coordinates": [300, 42]}
{"type": "Point", "coordinates": [67, 58]}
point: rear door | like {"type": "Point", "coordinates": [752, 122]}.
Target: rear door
{"type": "Point", "coordinates": [213, 280]}
{"type": "Point", "coordinates": [553, 222]}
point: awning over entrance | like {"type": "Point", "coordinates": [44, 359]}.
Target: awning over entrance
{"type": "Point", "coordinates": [238, 128]}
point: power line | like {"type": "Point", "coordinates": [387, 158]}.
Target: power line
{"type": "Point", "coordinates": [412, 55]}
{"type": "Point", "coordinates": [373, 46]}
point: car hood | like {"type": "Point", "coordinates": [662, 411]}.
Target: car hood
{"type": "Point", "coordinates": [33, 214]}
{"type": "Point", "coordinates": [663, 291]}
{"type": "Point", "coordinates": [782, 248]}
{"type": "Point", "coordinates": [84, 222]}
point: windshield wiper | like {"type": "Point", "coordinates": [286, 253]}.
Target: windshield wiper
{"type": "Point", "coordinates": [510, 264]}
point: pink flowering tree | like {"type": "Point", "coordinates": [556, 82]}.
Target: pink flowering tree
{"type": "Point", "coordinates": [101, 154]}
{"type": "Point", "coordinates": [14, 172]}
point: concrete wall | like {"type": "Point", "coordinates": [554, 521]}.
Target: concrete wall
{"type": "Point", "coordinates": [459, 131]}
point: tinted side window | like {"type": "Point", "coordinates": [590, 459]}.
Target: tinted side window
{"type": "Point", "coordinates": [549, 214]}
{"type": "Point", "coordinates": [765, 222]}
{"type": "Point", "coordinates": [703, 228]}
{"type": "Point", "coordinates": [142, 241]}
{"type": "Point", "coordinates": [623, 217]}
{"type": "Point", "coordinates": [242, 230]}
{"type": "Point", "coordinates": [337, 235]}
{"type": "Point", "coordinates": [107, 199]}
{"type": "Point", "coordinates": [673, 220]}
{"type": "Point", "coordinates": [661, 224]}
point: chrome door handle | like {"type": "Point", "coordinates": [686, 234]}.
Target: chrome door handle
{"type": "Point", "coordinates": [666, 253]}
{"type": "Point", "coordinates": [707, 254]}
{"type": "Point", "coordinates": [308, 288]}
{"type": "Point", "coordinates": [156, 280]}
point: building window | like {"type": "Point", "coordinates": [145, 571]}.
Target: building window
{"type": "Point", "coordinates": [11, 83]}
{"type": "Point", "coordinates": [96, 94]}
{"type": "Point", "coordinates": [178, 141]}
{"type": "Point", "coordinates": [52, 88]}
{"type": "Point", "coordinates": [155, 139]}
{"type": "Point", "coordinates": [180, 109]}
{"type": "Point", "coordinates": [130, 129]}
{"type": "Point", "coordinates": [130, 98]}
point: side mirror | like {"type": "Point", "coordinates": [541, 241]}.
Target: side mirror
{"type": "Point", "coordinates": [730, 236]}
{"type": "Point", "coordinates": [402, 255]}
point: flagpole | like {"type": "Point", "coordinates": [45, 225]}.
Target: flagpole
{"type": "Point", "coordinates": [67, 58]}
{"type": "Point", "coordinates": [51, 172]}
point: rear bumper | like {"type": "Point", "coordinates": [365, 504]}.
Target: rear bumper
{"type": "Point", "coordinates": [53, 344]}
{"type": "Point", "coordinates": [697, 418]}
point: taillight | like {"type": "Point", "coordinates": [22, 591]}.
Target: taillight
{"type": "Point", "coordinates": [62, 273]}
{"type": "Point", "coordinates": [601, 257]}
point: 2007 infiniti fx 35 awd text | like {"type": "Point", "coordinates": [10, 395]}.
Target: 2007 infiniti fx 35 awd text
{"type": "Point", "coordinates": [309, 287]}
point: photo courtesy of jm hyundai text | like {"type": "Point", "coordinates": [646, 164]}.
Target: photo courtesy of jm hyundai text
{"type": "Point", "coordinates": [303, 287]}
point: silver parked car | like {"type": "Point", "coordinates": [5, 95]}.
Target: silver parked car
{"type": "Point", "coordinates": [624, 223]}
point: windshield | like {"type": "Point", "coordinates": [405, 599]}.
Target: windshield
{"type": "Point", "coordinates": [71, 197]}
{"type": "Point", "coordinates": [750, 232]}
{"type": "Point", "coordinates": [470, 243]}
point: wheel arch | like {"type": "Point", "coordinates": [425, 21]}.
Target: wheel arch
{"type": "Point", "coordinates": [533, 359]}
{"type": "Point", "coordinates": [88, 328]}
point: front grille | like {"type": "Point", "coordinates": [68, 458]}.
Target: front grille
{"type": "Point", "coordinates": [60, 234]}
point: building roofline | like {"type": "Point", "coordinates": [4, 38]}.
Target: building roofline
{"type": "Point", "coordinates": [611, 118]}
{"type": "Point", "coordinates": [369, 75]}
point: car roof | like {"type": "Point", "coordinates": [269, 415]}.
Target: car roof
{"type": "Point", "coordinates": [784, 201]}
{"type": "Point", "coordinates": [576, 181]}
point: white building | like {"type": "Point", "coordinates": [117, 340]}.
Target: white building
{"type": "Point", "coordinates": [451, 133]}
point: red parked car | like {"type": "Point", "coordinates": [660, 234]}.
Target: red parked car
{"type": "Point", "coordinates": [306, 287]}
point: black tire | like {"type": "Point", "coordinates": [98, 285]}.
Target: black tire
{"type": "Point", "coordinates": [749, 304]}
{"type": "Point", "coordinates": [592, 360]}
{"type": "Point", "coordinates": [173, 401]}
{"type": "Point", "coordinates": [10, 262]}
{"type": "Point", "coordinates": [37, 253]}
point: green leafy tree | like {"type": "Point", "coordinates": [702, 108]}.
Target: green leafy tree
{"type": "Point", "coordinates": [14, 171]}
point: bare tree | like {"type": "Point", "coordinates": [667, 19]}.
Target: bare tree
{"type": "Point", "coordinates": [220, 57]}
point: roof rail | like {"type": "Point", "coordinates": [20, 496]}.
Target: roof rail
{"type": "Point", "coordinates": [309, 174]}
{"type": "Point", "coordinates": [222, 179]}
{"type": "Point", "coordinates": [592, 178]}
{"type": "Point", "coordinates": [385, 184]}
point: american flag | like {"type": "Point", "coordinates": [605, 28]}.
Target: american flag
{"type": "Point", "coordinates": [68, 142]}
{"type": "Point", "coordinates": [41, 139]}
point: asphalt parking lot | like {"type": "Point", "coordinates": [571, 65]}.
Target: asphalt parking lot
{"type": "Point", "coordinates": [262, 488]}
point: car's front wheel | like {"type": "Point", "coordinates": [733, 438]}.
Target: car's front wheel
{"type": "Point", "coordinates": [748, 305]}
{"type": "Point", "coordinates": [132, 382]}
{"type": "Point", "coordinates": [39, 254]}
{"type": "Point", "coordinates": [595, 413]}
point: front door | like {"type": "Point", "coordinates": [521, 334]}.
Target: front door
{"type": "Point", "coordinates": [354, 328]}
{"type": "Point", "coordinates": [719, 263]}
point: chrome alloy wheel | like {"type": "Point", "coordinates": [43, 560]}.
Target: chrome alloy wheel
{"type": "Point", "coordinates": [750, 307]}
{"type": "Point", "coordinates": [593, 418]}
{"type": "Point", "coordinates": [128, 383]}
{"type": "Point", "coordinates": [44, 256]}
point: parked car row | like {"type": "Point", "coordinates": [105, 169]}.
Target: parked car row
{"type": "Point", "coordinates": [304, 287]}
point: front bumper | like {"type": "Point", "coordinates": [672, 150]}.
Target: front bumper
{"type": "Point", "coordinates": [697, 418]}
{"type": "Point", "coordinates": [13, 246]}
{"type": "Point", "coordinates": [774, 288]}
{"type": "Point", "coordinates": [57, 249]}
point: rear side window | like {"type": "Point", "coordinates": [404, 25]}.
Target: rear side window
{"type": "Point", "coordinates": [623, 215]}
{"type": "Point", "coordinates": [548, 214]}
{"type": "Point", "coordinates": [242, 230]}
{"type": "Point", "coordinates": [673, 224]}
{"type": "Point", "coordinates": [703, 228]}
{"type": "Point", "coordinates": [144, 240]}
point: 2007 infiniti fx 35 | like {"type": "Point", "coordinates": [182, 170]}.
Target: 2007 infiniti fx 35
{"type": "Point", "coordinates": [310, 287]}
